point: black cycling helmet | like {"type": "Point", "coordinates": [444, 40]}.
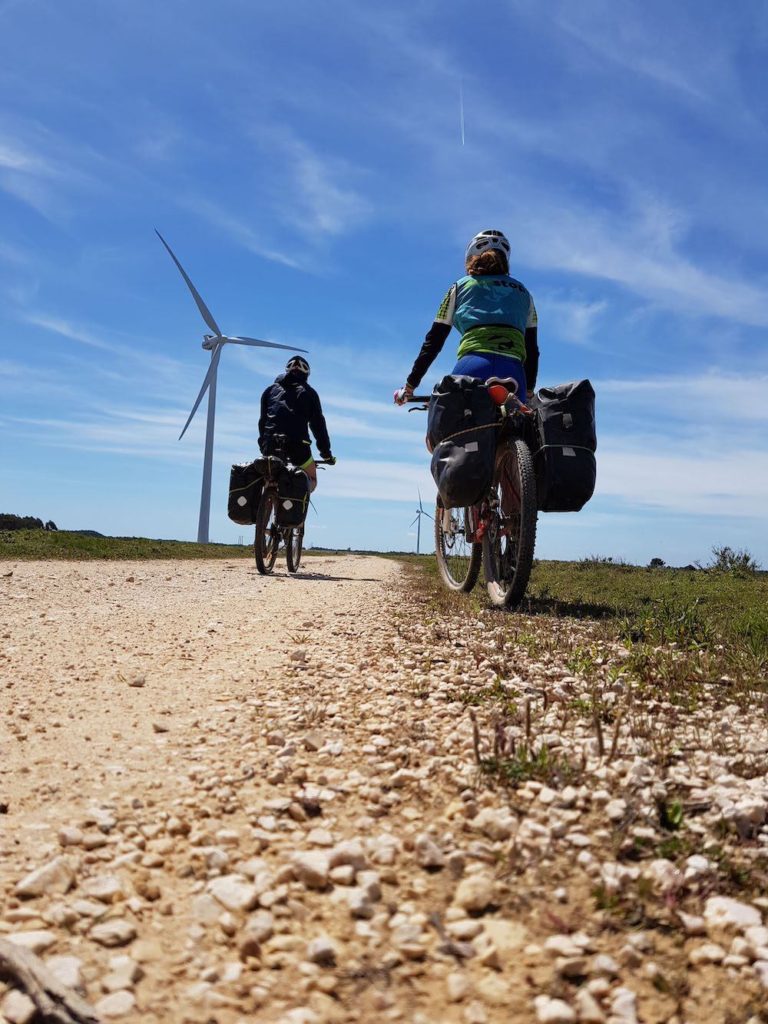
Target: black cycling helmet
{"type": "Point", "coordinates": [298, 365]}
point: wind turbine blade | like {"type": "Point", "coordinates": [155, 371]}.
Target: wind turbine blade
{"type": "Point", "coordinates": [421, 507]}
{"type": "Point", "coordinates": [208, 377]}
{"type": "Point", "coordinates": [428, 516]}
{"type": "Point", "coordinates": [414, 521]}
{"type": "Point", "coordinates": [263, 344]}
{"type": "Point", "coordinates": [204, 311]}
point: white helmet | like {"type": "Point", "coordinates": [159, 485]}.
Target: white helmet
{"type": "Point", "coordinates": [298, 364]}
{"type": "Point", "coordinates": [485, 240]}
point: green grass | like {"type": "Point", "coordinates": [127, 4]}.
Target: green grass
{"type": "Point", "coordinates": [657, 605]}
{"type": "Point", "coordinates": [26, 545]}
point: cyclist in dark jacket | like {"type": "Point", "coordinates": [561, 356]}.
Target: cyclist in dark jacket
{"type": "Point", "coordinates": [290, 407]}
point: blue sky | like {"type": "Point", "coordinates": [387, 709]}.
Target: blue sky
{"type": "Point", "coordinates": [305, 162]}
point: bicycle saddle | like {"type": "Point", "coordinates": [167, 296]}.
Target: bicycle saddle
{"type": "Point", "coordinates": [506, 382]}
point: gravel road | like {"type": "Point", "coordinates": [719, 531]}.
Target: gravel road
{"type": "Point", "coordinates": [227, 798]}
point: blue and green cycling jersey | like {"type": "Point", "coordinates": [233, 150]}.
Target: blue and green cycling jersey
{"type": "Point", "coordinates": [491, 312]}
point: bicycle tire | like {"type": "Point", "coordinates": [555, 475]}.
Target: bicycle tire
{"type": "Point", "coordinates": [458, 560]}
{"type": "Point", "coordinates": [267, 539]}
{"type": "Point", "coordinates": [510, 537]}
{"type": "Point", "coordinates": [293, 548]}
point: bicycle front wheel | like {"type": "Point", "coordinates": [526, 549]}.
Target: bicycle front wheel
{"type": "Point", "coordinates": [510, 538]}
{"type": "Point", "coordinates": [458, 558]}
{"type": "Point", "coordinates": [293, 547]}
{"type": "Point", "coordinates": [267, 539]}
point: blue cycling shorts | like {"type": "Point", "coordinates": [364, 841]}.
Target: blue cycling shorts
{"type": "Point", "coordinates": [488, 364]}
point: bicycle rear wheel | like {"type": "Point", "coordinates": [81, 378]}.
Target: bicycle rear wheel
{"type": "Point", "coordinates": [267, 539]}
{"type": "Point", "coordinates": [458, 558]}
{"type": "Point", "coordinates": [510, 538]}
{"type": "Point", "coordinates": [293, 548]}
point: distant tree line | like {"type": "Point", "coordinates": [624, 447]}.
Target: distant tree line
{"type": "Point", "coordinates": [8, 521]}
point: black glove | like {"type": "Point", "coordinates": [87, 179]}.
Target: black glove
{"type": "Point", "coordinates": [327, 457]}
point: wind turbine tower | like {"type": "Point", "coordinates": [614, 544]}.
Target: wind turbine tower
{"type": "Point", "coordinates": [420, 511]}
{"type": "Point", "coordinates": [212, 343]}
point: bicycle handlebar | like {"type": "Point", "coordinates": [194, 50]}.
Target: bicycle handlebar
{"type": "Point", "coordinates": [399, 398]}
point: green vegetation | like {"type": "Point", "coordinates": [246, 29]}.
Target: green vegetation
{"type": "Point", "coordinates": [720, 614]}
{"type": "Point", "coordinates": [540, 764]}
{"type": "Point", "coordinates": [18, 545]}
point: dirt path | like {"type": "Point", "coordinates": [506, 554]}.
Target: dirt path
{"type": "Point", "coordinates": [227, 798]}
{"type": "Point", "coordinates": [107, 664]}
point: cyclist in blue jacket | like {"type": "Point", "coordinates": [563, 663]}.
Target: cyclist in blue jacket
{"type": "Point", "coordinates": [495, 315]}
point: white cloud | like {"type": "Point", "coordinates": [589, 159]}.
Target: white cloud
{"type": "Point", "coordinates": [151, 361]}
{"type": "Point", "coordinates": [570, 320]}
{"type": "Point", "coordinates": [692, 479]}
{"type": "Point", "coordinates": [325, 205]}
{"type": "Point", "coordinates": [618, 249]}
{"type": "Point", "coordinates": [728, 400]}
{"type": "Point", "coordinates": [237, 228]}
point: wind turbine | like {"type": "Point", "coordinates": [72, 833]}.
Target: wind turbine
{"type": "Point", "coordinates": [420, 511]}
{"type": "Point", "coordinates": [212, 343]}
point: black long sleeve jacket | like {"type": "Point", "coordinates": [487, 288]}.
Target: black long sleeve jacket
{"type": "Point", "coordinates": [291, 407]}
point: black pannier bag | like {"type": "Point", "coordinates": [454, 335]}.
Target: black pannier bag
{"type": "Point", "coordinates": [461, 430]}
{"type": "Point", "coordinates": [246, 481]}
{"type": "Point", "coordinates": [292, 497]}
{"type": "Point", "coordinates": [565, 461]}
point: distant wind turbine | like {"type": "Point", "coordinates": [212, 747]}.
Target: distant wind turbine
{"type": "Point", "coordinates": [212, 343]}
{"type": "Point", "coordinates": [420, 511]}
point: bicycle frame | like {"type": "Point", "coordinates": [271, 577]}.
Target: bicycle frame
{"type": "Point", "coordinates": [503, 523]}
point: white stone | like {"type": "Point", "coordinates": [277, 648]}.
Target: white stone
{"type": "Point", "coordinates": [116, 932]}
{"type": "Point", "coordinates": [588, 1008]}
{"type": "Point", "coordinates": [604, 965]}
{"type": "Point", "coordinates": [358, 901]}
{"type": "Point", "coordinates": [692, 924]}
{"type": "Point", "coordinates": [760, 968]}
{"type": "Point", "coordinates": [370, 883]}
{"type": "Point", "coordinates": [509, 937]}
{"type": "Point", "coordinates": [615, 809]}
{"type": "Point", "coordinates": [723, 914]}
{"type": "Point", "coordinates": [350, 852]}
{"type": "Point", "coordinates": [57, 876]}
{"type": "Point", "coordinates": [464, 929]}
{"type": "Point", "coordinates": [553, 1011]}
{"type": "Point", "coordinates": [234, 893]}
{"type": "Point", "coordinates": [344, 874]}
{"type": "Point", "coordinates": [320, 837]}
{"type": "Point", "coordinates": [116, 1004]}
{"type": "Point", "coordinates": [106, 888]}
{"type": "Point", "coordinates": [205, 909]}
{"type": "Point", "coordinates": [562, 945]}
{"type": "Point", "coordinates": [311, 868]}
{"type": "Point", "coordinates": [428, 853]}
{"type": "Point", "coordinates": [663, 875]}
{"type": "Point", "coordinates": [17, 1008]}
{"type": "Point", "coordinates": [708, 953]}
{"type": "Point", "coordinates": [123, 973]}
{"type": "Point", "coordinates": [624, 1006]}
{"type": "Point", "coordinates": [495, 824]}
{"type": "Point", "coordinates": [458, 986]}
{"type": "Point", "coordinates": [70, 836]}
{"type": "Point", "coordinates": [35, 941]}
{"type": "Point", "coordinates": [68, 970]}
{"type": "Point", "coordinates": [475, 893]}
{"type": "Point", "coordinates": [322, 950]}
{"type": "Point", "coordinates": [748, 816]}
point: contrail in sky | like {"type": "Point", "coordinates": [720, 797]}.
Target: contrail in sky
{"type": "Point", "coordinates": [461, 108]}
